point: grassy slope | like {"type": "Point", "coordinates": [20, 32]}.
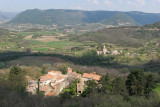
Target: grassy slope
{"type": "Point", "coordinates": [124, 36]}
{"type": "Point", "coordinates": [157, 89]}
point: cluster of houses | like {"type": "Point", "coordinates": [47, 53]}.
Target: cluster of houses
{"type": "Point", "coordinates": [53, 82]}
{"type": "Point", "coordinates": [105, 51]}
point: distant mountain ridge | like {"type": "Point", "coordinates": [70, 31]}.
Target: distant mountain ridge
{"type": "Point", "coordinates": [7, 15]}
{"type": "Point", "coordinates": [71, 17]}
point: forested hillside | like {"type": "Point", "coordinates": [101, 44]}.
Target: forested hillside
{"type": "Point", "coordinates": [70, 17]}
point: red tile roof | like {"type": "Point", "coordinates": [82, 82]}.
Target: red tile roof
{"type": "Point", "coordinates": [51, 94]}
{"type": "Point", "coordinates": [59, 78]}
{"type": "Point", "coordinates": [45, 88]}
{"type": "Point", "coordinates": [91, 76]}
{"type": "Point", "coordinates": [46, 77]}
{"type": "Point", "coordinates": [53, 72]}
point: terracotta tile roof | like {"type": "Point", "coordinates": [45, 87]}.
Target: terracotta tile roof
{"type": "Point", "coordinates": [46, 77]}
{"type": "Point", "coordinates": [45, 88]}
{"type": "Point", "coordinates": [51, 94]}
{"type": "Point", "coordinates": [53, 72]}
{"type": "Point", "coordinates": [59, 78]}
{"type": "Point", "coordinates": [92, 76]}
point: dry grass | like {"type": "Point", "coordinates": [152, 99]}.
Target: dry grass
{"type": "Point", "coordinates": [28, 37]}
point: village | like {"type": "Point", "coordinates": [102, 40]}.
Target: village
{"type": "Point", "coordinates": [54, 82]}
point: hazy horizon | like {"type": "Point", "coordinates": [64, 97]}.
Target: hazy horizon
{"type": "Point", "coordinates": [149, 6]}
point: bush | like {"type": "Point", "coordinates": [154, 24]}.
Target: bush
{"type": "Point", "coordinates": [2, 65]}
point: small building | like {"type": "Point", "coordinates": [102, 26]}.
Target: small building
{"type": "Point", "coordinates": [32, 87]}
{"type": "Point", "coordinates": [101, 51]}
{"type": "Point", "coordinates": [91, 76]}
{"type": "Point", "coordinates": [46, 89]}
{"type": "Point", "coordinates": [46, 79]}
{"type": "Point", "coordinates": [71, 76]}
{"type": "Point", "coordinates": [53, 82]}
{"type": "Point", "coordinates": [115, 52]}
{"type": "Point", "coordinates": [80, 87]}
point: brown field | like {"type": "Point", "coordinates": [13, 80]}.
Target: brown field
{"type": "Point", "coordinates": [28, 37]}
{"type": "Point", "coordinates": [47, 39]}
{"type": "Point", "coordinates": [31, 60]}
{"type": "Point", "coordinates": [43, 38]}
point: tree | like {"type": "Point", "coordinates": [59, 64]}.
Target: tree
{"type": "Point", "coordinates": [106, 84]}
{"type": "Point", "coordinates": [118, 86]}
{"type": "Point", "coordinates": [136, 82]}
{"type": "Point", "coordinates": [28, 50]}
{"type": "Point", "coordinates": [2, 65]}
{"type": "Point", "coordinates": [63, 67]}
{"type": "Point", "coordinates": [15, 70]}
{"type": "Point", "coordinates": [46, 68]}
{"type": "Point", "coordinates": [65, 96]}
{"type": "Point", "coordinates": [73, 88]}
{"type": "Point", "coordinates": [91, 87]}
{"type": "Point", "coordinates": [150, 83]}
{"type": "Point", "coordinates": [17, 78]}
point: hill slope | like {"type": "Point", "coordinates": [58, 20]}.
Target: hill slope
{"type": "Point", "coordinates": [124, 36]}
{"type": "Point", "coordinates": [71, 17]}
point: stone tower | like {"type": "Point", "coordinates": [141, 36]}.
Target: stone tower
{"type": "Point", "coordinates": [104, 50]}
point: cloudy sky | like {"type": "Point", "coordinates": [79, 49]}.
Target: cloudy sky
{"type": "Point", "coordinates": [112, 5]}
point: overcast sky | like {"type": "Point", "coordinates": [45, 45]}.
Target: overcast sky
{"type": "Point", "coordinates": [116, 5]}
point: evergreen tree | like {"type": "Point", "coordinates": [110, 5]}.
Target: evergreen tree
{"type": "Point", "coordinates": [106, 83]}
{"type": "Point", "coordinates": [138, 83]}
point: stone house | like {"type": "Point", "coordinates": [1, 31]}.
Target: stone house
{"type": "Point", "coordinates": [80, 87]}
{"type": "Point", "coordinates": [102, 51]}
{"type": "Point", "coordinates": [32, 86]}
{"type": "Point", "coordinates": [54, 82]}
{"type": "Point", "coordinates": [91, 76]}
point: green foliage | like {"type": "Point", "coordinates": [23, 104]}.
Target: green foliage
{"type": "Point", "coordinates": [46, 68]}
{"type": "Point", "coordinates": [65, 96]}
{"type": "Point", "coordinates": [118, 86]}
{"type": "Point", "coordinates": [157, 88]}
{"type": "Point", "coordinates": [2, 65]}
{"type": "Point", "coordinates": [120, 18]}
{"type": "Point", "coordinates": [73, 88]}
{"type": "Point", "coordinates": [150, 83]}
{"type": "Point", "coordinates": [77, 49]}
{"type": "Point", "coordinates": [17, 77]}
{"type": "Point", "coordinates": [138, 83]}
{"type": "Point", "coordinates": [15, 70]}
{"type": "Point", "coordinates": [91, 87]}
{"type": "Point", "coordinates": [36, 36]}
{"type": "Point", "coordinates": [63, 67]}
{"type": "Point", "coordinates": [4, 32]}
{"type": "Point", "coordinates": [79, 72]}
{"type": "Point", "coordinates": [106, 83]}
